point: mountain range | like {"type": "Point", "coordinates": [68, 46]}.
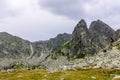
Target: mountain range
{"type": "Point", "coordinates": [84, 47]}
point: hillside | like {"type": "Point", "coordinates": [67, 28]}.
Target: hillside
{"type": "Point", "coordinates": [93, 47]}
{"type": "Point", "coordinates": [15, 50]}
{"type": "Point", "coordinates": [88, 41]}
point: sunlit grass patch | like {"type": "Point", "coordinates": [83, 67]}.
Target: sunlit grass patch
{"type": "Point", "coordinates": [80, 74]}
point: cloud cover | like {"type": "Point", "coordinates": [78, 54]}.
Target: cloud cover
{"type": "Point", "coordinates": [77, 9]}
{"type": "Point", "coordinates": [30, 21]}
{"type": "Point", "coordinates": [42, 19]}
{"type": "Point", "coordinates": [106, 10]}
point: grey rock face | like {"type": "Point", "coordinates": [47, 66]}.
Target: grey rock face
{"type": "Point", "coordinates": [51, 45]}
{"type": "Point", "coordinates": [116, 35]}
{"type": "Point", "coordinates": [90, 41]}
{"type": "Point", "coordinates": [100, 28]}
{"type": "Point", "coordinates": [79, 37]}
{"type": "Point", "coordinates": [108, 59]}
{"type": "Point", "coordinates": [80, 43]}
{"type": "Point", "coordinates": [14, 49]}
{"type": "Point", "coordinates": [101, 33]}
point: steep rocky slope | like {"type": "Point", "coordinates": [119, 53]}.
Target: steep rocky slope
{"type": "Point", "coordinates": [51, 45]}
{"type": "Point", "coordinates": [101, 34]}
{"type": "Point", "coordinates": [13, 47]}
{"type": "Point", "coordinates": [96, 46]}
{"type": "Point", "coordinates": [104, 59]}
{"type": "Point", "coordinates": [116, 35]}
{"type": "Point", "coordinates": [17, 50]}
{"type": "Point", "coordinates": [109, 57]}
{"type": "Point", "coordinates": [88, 41]}
{"type": "Point", "coordinates": [80, 43]}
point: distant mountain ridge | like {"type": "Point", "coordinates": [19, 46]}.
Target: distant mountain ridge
{"type": "Point", "coordinates": [61, 50]}
{"type": "Point", "coordinates": [15, 49]}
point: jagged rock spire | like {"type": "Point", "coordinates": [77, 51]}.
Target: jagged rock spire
{"type": "Point", "coordinates": [90, 41]}
{"type": "Point", "coordinates": [80, 30]}
{"type": "Point", "coordinates": [80, 38]}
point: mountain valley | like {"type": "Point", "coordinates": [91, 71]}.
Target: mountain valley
{"type": "Point", "coordinates": [95, 47]}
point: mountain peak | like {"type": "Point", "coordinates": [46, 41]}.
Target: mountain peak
{"type": "Point", "coordinates": [82, 20]}
{"type": "Point", "coordinates": [4, 33]}
{"type": "Point", "coordinates": [80, 28]}
{"type": "Point", "coordinates": [99, 24]}
{"type": "Point", "coordinates": [81, 23]}
{"type": "Point", "coordinates": [99, 27]}
{"type": "Point", "coordinates": [99, 20]}
{"type": "Point", "coordinates": [79, 38]}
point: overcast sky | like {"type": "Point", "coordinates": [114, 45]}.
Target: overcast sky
{"type": "Point", "coordinates": [42, 19]}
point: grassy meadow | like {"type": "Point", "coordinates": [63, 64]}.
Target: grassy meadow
{"type": "Point", "coordinates": [80, 74]}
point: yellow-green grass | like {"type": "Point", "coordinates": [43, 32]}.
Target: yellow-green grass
{"type": "Point", "coordinates": [81, 74]}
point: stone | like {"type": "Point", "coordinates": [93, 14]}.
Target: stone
{"type": "Point", "coordinates": [62, 79]}
{"type": "Point", "coordinates": [116, 35]}
{"type": "Point", "coordinates": [93, 78]}
{"type": "Point", "coordinates": [115, 77]}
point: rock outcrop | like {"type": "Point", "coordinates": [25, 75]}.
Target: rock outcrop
{"type": "Point", "coordinates": [80, 39]}
{"type": "Point", "coordinates": [17, 50]}
{"type": "Point", "coordinates": [53, 44]}
{"type": "Point", "coordinates": [13, 47]}
{"type": "Point", "coordinates": [108, 59]}
{"type": "Point", "coordinates": [116, 35]}
{"type": "Point", "coordinates": [88, 41]}
{"type": "Point", "coordinates": [101, 34]}
{"type": "Point", "coordinates": [96, 46]}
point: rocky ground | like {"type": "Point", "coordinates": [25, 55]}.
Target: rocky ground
{"type": "Point", "coordinates": [109, 57]}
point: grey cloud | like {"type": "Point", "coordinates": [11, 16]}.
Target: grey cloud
{"type": "Point", "coordinates": [76, 9]}
{"type": "Point", "coordinates": [45, 19]}
{"type": "Point", "coordinates": [72, 9]}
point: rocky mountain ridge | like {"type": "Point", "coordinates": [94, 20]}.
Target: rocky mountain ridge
{"type": "Point", "coordinates": [104, 59]}
{"type": "Point", "coordinates": [85, 47]}
{"type": "Point", "coordinates": [17, 50]}
{"type": "Point", "coordinates": [88, 41]}
{"type": "Point", "coordinates": [94, 48]}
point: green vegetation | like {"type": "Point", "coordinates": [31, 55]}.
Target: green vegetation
{"type": "Point", "coordinates": [80, 74]}
{"type": "Point", "coordinates": [17, 66]}
{"type": "Point", "coordinates": [67, 44]}
{"type": "Point", "coordinates": [118, 46]}
{"type": "Point", "coordinates": [62, 51]}
{"type": "Point", "coordinates": [80, 55]}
